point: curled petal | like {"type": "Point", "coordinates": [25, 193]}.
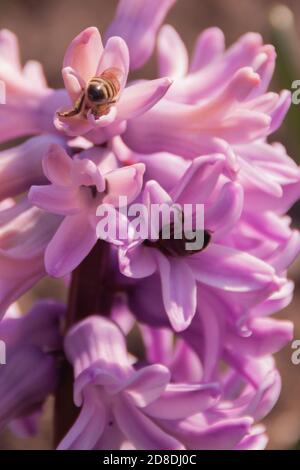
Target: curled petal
{"type": "Point", "coordinates": [21, 166]}
{"type": "Point", "coordinates": [137, 22]}
{"type": "Point", "coordinates": [115, 55]}
{"type": "Point", "coordinates": [147, 384]}
{"type": "Point", "coordinates": [54, 199]}
{"type": "Point", "coordinates": [227, 210]}
{"type": "Point", "coordinates": [33, 71]}
{"type": "Point", "coordinates": [220, 435]}
{"type": "Point", "coordinates": [126, 181]}
{"type": "Point", "coordinates": [88, 428]}
{"type": "Point", "coordinates": [25, 381]}
{"type": "Point", "coordinates": [74, 84]}
{"type": "Point", "coordinates": [57, 166]}
{"type": "Point", "coordinates": [182, 400]}
{"type": "Point", "coordinates": [172, 53]}
{"type": "Point", "coordinates": [138, 262]}
{"type": "Point", "coordinates": [140, 430]}
{"type": "Point", "coordinates": [230, 269]}
{"type": "Point", "coordinates": [209, 46]}
{"type": "Point", "coordinates": [84, 53]}
{"type": "Point", "coordinates": [71, 243]}
{"type": "Point", "coordinates": [137, 99]}
{"type": "Point", "coordinates": [179, 290]}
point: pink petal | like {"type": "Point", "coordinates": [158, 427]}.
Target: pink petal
{"type": "Point", "coordinates": [281, 110]}
{"type": "Point", "coordinates": [172, 53]}
{"type": "Point", "coordinates": [230, 269]}
{"type": "Point", "coordinates": [85, 172]}
{"type": "Point", "coordinates": [88, 428]}
{"type": "Point", "coordinates": [115, 55]}
{"type": "Point", "coordinates": [209, 46]}
{"type": "Point", "coordinates": [84, 53]}
{"type": "Point", "coordinates": [137, 23]}
{"type": "Point", "coordinates": [2, 93]}
{"type": "Point", "coordinates": [154, 194]}
{"type": "Point", "coordinates": [222, 435]}
{"type": "Point", "coordinates": [54, 199]}
{"type": "Point", "coordinates": [268, 336]}
{"type": "Point", "coordinates": [205, 169]}
{"type": "Point", "coordinates": [33, 71]}
{"type": "Point", "coordinates": [21, 166]}
{"type": "Point", "coordinates": [178, 289]}
{"type": "Point", "coordinates": [9, 48]}
{"type": "Point", "coordinates": [71, 243]}
{"type": "Point", "coordinates": [126, 181]}
{"type": "Point", "coordinates": [255, 440]}
{"type": "Point", "coordinates": [225, 213]}
{"type": "Point", "coordinates": [138, 98]}
{"type": "Point", "coordinates": [282, 260]}
{"type": "Point", "coordinates": [25, 381]}
{"type": "Point", "coordinates": [96, 348]}
{"type": "Point", "coordinates": [147, 384]}
{"type": "Point", "coordinates": [74, 84]}
{"type": "Point", "coordinates": [140, 430]}
{"type": "Point", "coordinates": [138, 262]}
{"type": "Point", "coordinates": [57, 166]}
{"type": "Point", "coordinates": [182, 400]}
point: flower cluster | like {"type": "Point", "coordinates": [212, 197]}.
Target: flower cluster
{"type": "Point", "coordinates": [203, 376]}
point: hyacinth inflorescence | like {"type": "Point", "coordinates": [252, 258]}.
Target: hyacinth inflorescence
{"type": "Point", "coordinates": [198, 134]}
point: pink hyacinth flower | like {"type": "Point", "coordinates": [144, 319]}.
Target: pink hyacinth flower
{"type": "Point", "coordinates": [85, 59]}
{"type": "Point", "coordinates": [24, 234]}
{"type": "Point", "coordinates": [31, 335]}
{"type": "Point", "coordinates": [29, 102]}
{"type": "Point", "coordinates": [227, 91]}
{"type": "Point", "coordinates": [26, 380]}
{"type": "Point", "coordinates": [122, 405]}
{"type": "Point", "coordinates": [78, 186]}
{"type": "Point", "coordinates": [21, 166]}
{"type": "Point", "coordinates": [219, 265]}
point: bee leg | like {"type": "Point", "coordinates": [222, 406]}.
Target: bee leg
{"type": "Point", "coordinates": [102, 109]}
{"type": "Point", "coordinates": [76, 110]}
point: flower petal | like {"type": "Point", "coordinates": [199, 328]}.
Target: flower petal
{"type": "Point", "coordinates": [57, 166]}
{"type": "Point", "coordinates": [137, 23]}
{"type": "Point", "coordinates": [221, 435]}
{"type": "Point", "coordinates": [88, 428]}
{"type": "Point", "coordinates": [224, 214]}
{"type": "Point", "coordinates": [84, 53]}
{"type": "Point", "coordinates": [115, 55]}
{"type": "Point", "coordinates": [138, 262]}
{"type": "Point", "coordinates": [71, 243]}
{"type": "Point", "coordinates": [126, 182]}
{"type": "Point", "coordinates": [230, 269]}
{"type": "Point", "coordinates": [178, 289]}
{"type": "Point", "coordinates": [74, 84]}
{"type": "Point", "coordinates": [140, 430]}
{"type": "Point", "coordinates": [147, 384]}
{"type": "Point", "coordinates": [182, 400]}
{"type": "Point", "coordinates": [55, 199]}
{"type": "Point", "coordinates": [209, 46]}
{"type": "Point", "coordinates": [138, 98]}
{"type": "Point", "coordinates": [172, 53]}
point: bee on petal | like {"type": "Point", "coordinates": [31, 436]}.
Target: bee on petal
{"type": "Point", "coordinates": [99, 95]}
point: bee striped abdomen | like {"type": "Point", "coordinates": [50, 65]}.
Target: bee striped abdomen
{"type": "Point", "coordinates": [103, 89]}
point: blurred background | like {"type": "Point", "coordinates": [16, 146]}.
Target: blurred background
{"type": "Point", "coordinates": [45, 28]}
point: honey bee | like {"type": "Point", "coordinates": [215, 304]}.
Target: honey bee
{"type": "Point", "coordinates": [99, 95]}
